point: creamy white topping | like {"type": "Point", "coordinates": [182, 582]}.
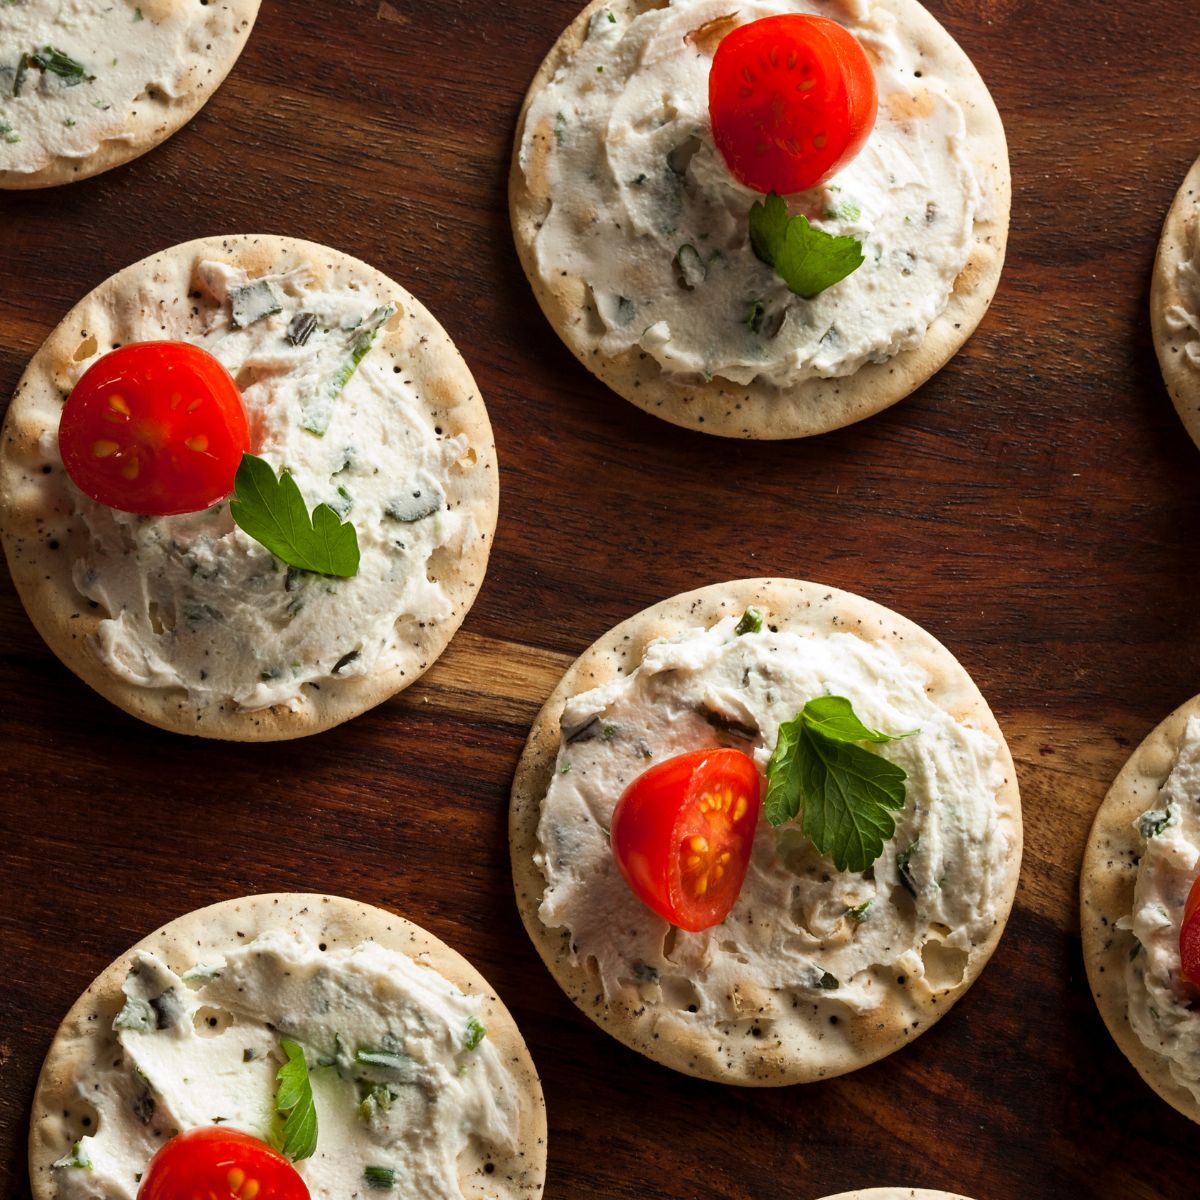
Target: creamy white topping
{"type": "Point", "coordinates": [1185, 316]}
{"type": "Point", "coordinates": [195, 602]}
{"type": "Point", "coordinates": [134, 54]}
{"type": "Point", "coordinates": [1162, 1008]}
{"type": "Point", "coordinates": [791, 928]}
{"type": "Point", "coordinates": [203, 1048]}
{"type": "Point", "coordinates": [634, 176]}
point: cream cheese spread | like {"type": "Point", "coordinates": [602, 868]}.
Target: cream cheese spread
{"type": "Point", "coordinates": [1185, 316]}
{"type": "Point", "coordinates": [115, 57]}
{"type": "Point", "coordinates": [645, 212]}
{"type": "Point", "coordinates": [402, 1072]}
{"type": "Point", "coordinates": [798, 927]}
{"type": "Point", "coordinates": [1162, 1008]}
{"type": "Point", "coordinates": [192, 600]}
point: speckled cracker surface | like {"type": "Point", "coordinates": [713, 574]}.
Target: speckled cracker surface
{"type": "Point", "coordinates": [130, 74]}
{"type": "Point", "coordinates": [1175, 302]}
{"type": "Point", "coordinates": [805, 1044]}
{"type": "Point", "coordinates": [86, 1035]}
{"type": "Point", "coordinates": [1106, 892]}
{"type": "Point", "coordinates": [44, 537]}
{"type": "Point", "coordinates": [815, 405]}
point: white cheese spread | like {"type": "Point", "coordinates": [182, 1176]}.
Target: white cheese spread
{"type": "Point", "coordinates": [634, 177]}
{"type": "Point", "coordinates": [203, 1048]}
{"type": "Point", "coordinates": [119, 57]}
{"type": "Point", "coordinates": [1185, 316]}
{"type": "Point", "coordinates": [192, 600]}
{"type": "Point", "coordinates": [798, 925]}
{"type": "Point", "coordinates": [1162, 1007]}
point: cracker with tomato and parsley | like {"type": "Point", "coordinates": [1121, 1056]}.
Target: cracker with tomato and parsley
{"type": "Point", "coordinates": [304, 1098]}
{"type": "Point", "coordinates": [765, 832]}
{"type": "Point", "coordinates": [248, 488]}
{"type": "Point", "coordinates": [1175, 302]}
{"type": "Point", "coordinates": [765, 220]}
{"type": "Point", "coordinates": [92, 85]}
{"type": "Point", "coordinates": [1135, 812]}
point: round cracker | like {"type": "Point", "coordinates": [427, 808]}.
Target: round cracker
{"type": "Point", "coordinates": [896, 1193]}
{"type": "Point", "coordinates": [219, 34]}
{"type": "Point", "coordinates": [1106, 885]}
{"type": "Point", "coordinates": [760, 410]}
{"type": "Point", "coordinates": [42, 538]}
{"type": "Point", "coordinates": [1181, 376]}
{"type": "Point", "coordinates": [811, 1046]}
{"type": "Point", "coordinates": [86, 1036]}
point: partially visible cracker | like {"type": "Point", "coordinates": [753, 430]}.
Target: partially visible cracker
{"type": "Point", "coordinates": [811, 1045]}
{"type": "Point", "coordinates": [216, 33]}
{"type": "Point", "coordinates": [1175, 306]}
{"type": "Point", "coordinates": [1106, 893]}
{"type": "Point", "coordinates": [893, 1193]}
{"type": "Point", "coordinates": [486, 1173]}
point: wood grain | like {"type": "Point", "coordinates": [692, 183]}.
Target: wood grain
{"type": "Point", "coordinates": [1035, 506]}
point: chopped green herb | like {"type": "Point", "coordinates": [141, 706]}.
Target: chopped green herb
{"type": "Point", "coordinates": [611, 18]}
{"type": "Point", "coordinates": [8, 133]}
{"type": "Point", "coordinates": [137, 15]}
{"type": "Point", "coordinates": [294, 1103]}
{"type": "Point", "coordinates": [565, 769]}
{"type": "Point", "coordinates": [253, 302]}
{"type": "Point", "coordinates": [70, 122]}
{"type": "Point", "coordinates": [626, 310]}
{"type": "Point", "coordinates": [754, 316]}
{"type": "Point", "coordinates": [751, 622]}
{"type": "Point", "coordinates": [167, 1009]}
{"type": "Point", "coordinates": [808, 260]}
{"type": "Point", "coordinates": [22, 71]}
{"type": "Point", "coordinates": [250, 1054]}
{"type": "Point", "coordinates": [859, 911]}
{"type": "Point", "coordinates": [136, 1014]}
{"type": "Point", "coordinates": [608, 731]}
{"type": "Point", "coordinates": [560, 128]}
{"type": "Point", "coordinates": [317, 403]}
{"type": "Point", "coordinates": [200, 973]}
{"type": "Point", "coordinates": [72, 73]}
{"type": "Point", "coordinates": [78, 1157]}
{"type": "Point", "coordinates": [475, 1034]}
{"type": "Point", "coordinates": [1152, 823]}
{"type": "Point", "coordinates": [904, 870]}
{"type": "Point", "coordinates": [378, 1099]}
{"type": "Point", "coordinates": [846, 793]}
{"type": "Point", "coordinates": [389, 1060]}
{"type": "Point", "coordinates": [381, 1178]}
{"type": "Point", "coordinates": [644, 973]}
{"type": "Point", "coordinates": [828, 982]}
{"type": "Point", "coordinates": [272, 511]}
{"type": "Point", "coordinates": [300, 329]}
{"type": "Point", "coordinates": [414, 506]}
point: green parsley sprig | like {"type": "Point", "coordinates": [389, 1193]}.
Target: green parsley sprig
{"type": "Point", "coordinates": [272, 511]}
{"type": "Point", "coordinates": [847, 794]}
{"type": "Point", "coordinates": [294, 1103]}
{"type": "Point", "coordinates": [807, 259]}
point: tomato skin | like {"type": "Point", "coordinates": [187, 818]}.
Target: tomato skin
{"type": "Point", "coordinates": [662, 818]}
{"type": "Point", "coordinates": [154, 427]}
{"type": "Point", "coordinates": [1189, 937]}
{"type": "Point", "coordinates": [221, 1163]}
{"type": "Point", "coordinates": [792, 100]}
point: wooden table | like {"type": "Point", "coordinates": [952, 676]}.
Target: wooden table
{"type": "Point", "coordinates": [1035, 506]}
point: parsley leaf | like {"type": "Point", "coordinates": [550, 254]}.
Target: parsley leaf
{"type": "Point", "coordinates": [294, 1102]}
{"type": "Point", "coordinates": [847, 794]}
{"type": "Point", "coordinates": [273, 512]}
{"type": "Point", "coordinates": [475, 1034]}
{"type": "Point", "coordinates": [808, 260]}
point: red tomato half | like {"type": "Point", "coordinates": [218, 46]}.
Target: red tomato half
{"type": "Point", "coordinates": [215, 1163]}
{"type": "Point", "coordinates": [792, 99]}
{"type": "Point", "coordinates": [154, 427]}
{"type": "Point", "coordinates": [1189, 936]}
{"type": "Point", "coordinates": [682, 834]}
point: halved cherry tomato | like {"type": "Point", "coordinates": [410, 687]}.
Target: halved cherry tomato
{"type": "Point", "coordinates": [792, 99]}
{"type": "Point", "coordinates": [154, 427]}
{"type": "Point", "coordinates": [1189, 936]}
{"type": "Point", "coordinates": [217, 1163]}
{"type": "Point", "coordinates": [682, 833]}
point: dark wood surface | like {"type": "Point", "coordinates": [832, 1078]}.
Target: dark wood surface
{"type": "Point", "coordinates": [1035, 506]}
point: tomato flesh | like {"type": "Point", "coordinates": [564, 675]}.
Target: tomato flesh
{"type": "Point", "coordinates": [682, 833]}
{"type": "Point", "coordinates": [218, 1163]}
{"type": "Point", "coordinates": [792, 99]}
{"type": "Point", "coordinates": [154, 427]}
{"type": "Point", "coordinates": [1189, 937]}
